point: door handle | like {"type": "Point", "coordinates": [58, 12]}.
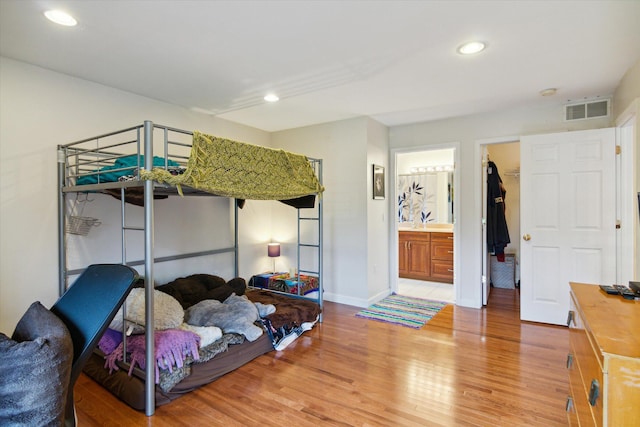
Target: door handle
{"type": "Point", "coordinates": [526, 237]}
{"type": "Point", "coordinates": [569, 405]}
{"type": "Point", "coordinates": [571, 318]}
{"type": "Point", "coordinates": [594, 392]}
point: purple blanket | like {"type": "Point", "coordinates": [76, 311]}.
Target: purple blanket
{"type": "Point", "coordinates": [172, 347]}
{"type": "Point", "coordinates": [110, 341]}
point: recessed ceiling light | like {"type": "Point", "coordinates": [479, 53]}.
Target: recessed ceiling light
{"type": "Point", "coordinates": [272, 97]}
{"type": "Point", "coordinates": [549, 91]}
{"type": "Point", "coordinates": [471, 47]}
{"type": "Point", "coordinates": [60, 17]}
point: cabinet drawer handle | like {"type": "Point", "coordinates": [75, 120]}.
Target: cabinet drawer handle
{"type": "Point", "coordinates": [594, 392]}
{"type": "Point", "coordinates": [449, 270]}
{"type": "Point", "coordinates": [449, 252]}
{"type": "Point", "coordinates": [570, 318]}
{"type": "Point", "coordinates": [569, 360]}
{"type": "Point", "coordinates": [569, 405]}
{"type": "Point", "coordinates": [450, 237]}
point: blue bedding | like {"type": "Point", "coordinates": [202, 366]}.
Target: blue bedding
{"type": "Point", "coordinates": [129, 162]}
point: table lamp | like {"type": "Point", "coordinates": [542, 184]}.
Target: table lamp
{"type": "Point", "coordinates": [273, 250]}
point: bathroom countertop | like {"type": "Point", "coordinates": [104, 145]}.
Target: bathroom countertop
{"type": "Point", "coordinates": [431, 228]}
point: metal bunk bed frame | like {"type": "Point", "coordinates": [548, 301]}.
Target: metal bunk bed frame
{"type": "Point", "coordinates": [316, 217]}
{"type": "Point", "coordinates": [67, 176]}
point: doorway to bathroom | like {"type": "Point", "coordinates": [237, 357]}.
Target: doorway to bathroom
{"type": "Point", "coordinates": [424, 226]}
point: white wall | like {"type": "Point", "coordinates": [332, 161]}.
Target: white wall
{"type": "Point", "coordinates": [40, 109]}
{"type": "Point", "coordinates": [356, 227]}
{"type": "Point", "coordinates": [628, 90]}
{"type": "Point", "coordinates": [378, 214]}
{"type": "Point", "coordinates": [406, 161]}
{"type": "Point", "coordinates": [468, 131]}
{"type": "Point", "coordinates": [343, 147]}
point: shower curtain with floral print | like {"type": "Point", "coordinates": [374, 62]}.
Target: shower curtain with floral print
{"type": "Point", "coordinates": [417, 198]}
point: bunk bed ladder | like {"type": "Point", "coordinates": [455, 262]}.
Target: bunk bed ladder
{"type": "Point", "coordinates": [317, 244]}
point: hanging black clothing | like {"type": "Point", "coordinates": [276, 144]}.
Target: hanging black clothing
{"type": "Point", "coordinates": [497, 232]}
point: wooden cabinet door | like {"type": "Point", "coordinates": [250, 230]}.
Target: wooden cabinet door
{"type": "Point", "coordinates": [403, 255]}
{"type": "Point", "coordinates": [420, 258]}
{"type": "Point", "coordinates": [419, 255]}
{"type": "Point", "coordinates": [414, 255]}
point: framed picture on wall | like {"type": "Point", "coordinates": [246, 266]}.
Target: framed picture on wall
{"type": "Point", "coordinates": [378, 182]}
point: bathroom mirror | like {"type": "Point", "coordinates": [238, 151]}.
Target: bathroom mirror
{"type": "Point", "coordinates": [425, 198]}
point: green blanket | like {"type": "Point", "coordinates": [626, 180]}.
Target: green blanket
{"type": "Point", "coordinates": [244, 171]}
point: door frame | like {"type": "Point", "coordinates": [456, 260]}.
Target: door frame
{"type": "Point", "coordinates": [486, 264]}
{"type": "Point", "coordinates": [481, 197]}
{"type": "Point", "coordinates": [627, 135]}
{"type": "Point", "coordinates": [393, 224]}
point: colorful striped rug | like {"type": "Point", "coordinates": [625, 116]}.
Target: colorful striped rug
{"type": "Point", "coordinates": [401, 310]}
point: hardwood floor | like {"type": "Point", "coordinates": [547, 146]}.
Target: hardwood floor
{"type": "Point", "coordinates": [465, 367]}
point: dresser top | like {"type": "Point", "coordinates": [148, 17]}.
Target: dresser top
{"type": "Point", "coordinates": [613, 321]}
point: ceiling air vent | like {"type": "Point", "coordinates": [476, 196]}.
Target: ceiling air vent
{"type": "Point", "coordinates": [587, 110]}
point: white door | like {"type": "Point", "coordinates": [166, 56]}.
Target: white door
{"type": "Point", "coordinates": [567, 218]}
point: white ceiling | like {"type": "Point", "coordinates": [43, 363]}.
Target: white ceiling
{"type": "Point", "coordinates": [330, 60]}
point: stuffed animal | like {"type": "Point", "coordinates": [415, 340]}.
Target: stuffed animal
{"type": "Point", "coordinates": [235, 315]}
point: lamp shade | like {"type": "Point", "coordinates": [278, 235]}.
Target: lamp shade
{"type": "Point", "coordinates": [273, 249]}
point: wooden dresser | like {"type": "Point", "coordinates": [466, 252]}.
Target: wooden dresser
{"type": "Point", "coordinates": [604, 361]}
{"type": "Point", "coordinates": [426, 255]}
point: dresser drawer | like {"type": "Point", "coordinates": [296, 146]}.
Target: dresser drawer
{"type": "Point", "coordinates": [442, 250]}
{"type": "Point", "coordinates": [442, 270]}
{"type": "Point", "coordinates": [442, 246]}
{"type": "Point", "coordinates": [588, 391]}
{"type": "Point", "coordinates": [421, 236]}
{"type": "Point", "coordinates": [579, 413]}
{"type": "Point", "coordinates": [442, 237]}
